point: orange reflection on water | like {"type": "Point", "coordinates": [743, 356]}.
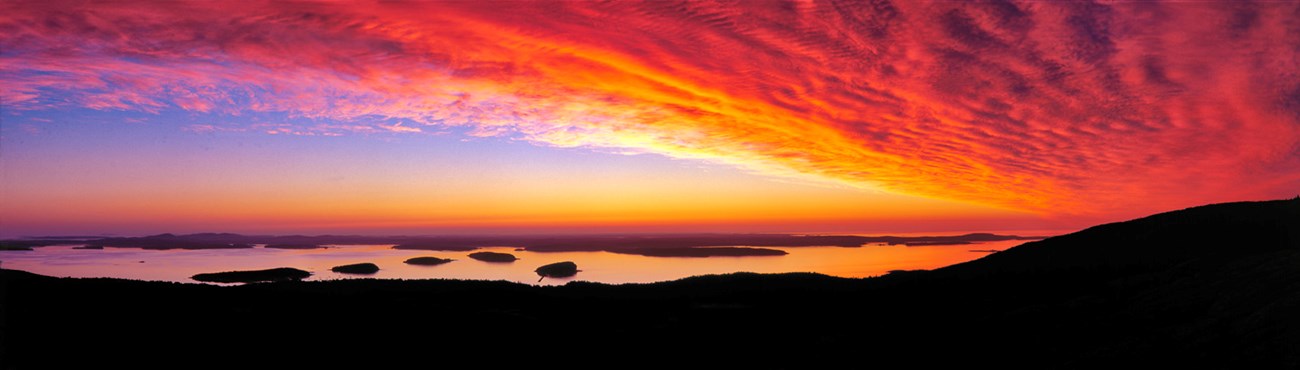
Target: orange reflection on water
{"type": "Point", "coordinates": [606, 267]}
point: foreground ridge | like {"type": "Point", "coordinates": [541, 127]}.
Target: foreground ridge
{"type": "Point", "coordinates": [1204, 287]}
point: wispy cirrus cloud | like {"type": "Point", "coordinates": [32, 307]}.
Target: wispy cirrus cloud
{"type": "Point", "coordinates": [1073, 107]}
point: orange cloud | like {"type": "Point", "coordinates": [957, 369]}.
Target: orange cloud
{"type": "Point", "coordinates": [1074, 108]}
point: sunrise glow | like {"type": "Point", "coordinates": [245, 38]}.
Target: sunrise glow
{"type": "Point", "coordinates": [469, 116]}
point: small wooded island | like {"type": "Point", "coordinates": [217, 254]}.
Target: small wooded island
{"type": "Point", "coordinates": [254, 276]}
{"type": "Point", "coordinates": [557, 270]}
{"type": "Point", "coordinates": [426, 261]}
{"type": "Point", "coordinates": [493, 257]}
{"type": "Point", "coordinates": [356, 268]}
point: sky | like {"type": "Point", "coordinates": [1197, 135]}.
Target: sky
{"type": "Point", "coordinates": [627, 116]}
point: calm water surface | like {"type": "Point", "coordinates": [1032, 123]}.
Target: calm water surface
{"type": "Point", "coordinates": [179, 265]}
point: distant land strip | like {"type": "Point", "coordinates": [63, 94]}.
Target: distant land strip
{"type": "Point", "coordinates": [639, 243]}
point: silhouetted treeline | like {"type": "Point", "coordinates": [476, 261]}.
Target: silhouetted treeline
{"type": "Point", "coordinates": [1208, 287]}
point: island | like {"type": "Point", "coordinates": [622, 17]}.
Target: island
{"type": "Point", "coordinates": [493, 257]}
{"type": "Point", "coordinates": [427, 261]}
{"type": "Point", "coordinates": [557, 270]}
{"type": "Point", "coordinates": [356, 268]}
{"type": "Point", "coordinates": [703, 252]}
{"type": "Point", "coordinates": [295, 246]}
{"type": "Point", "coordinates": [253, 276]}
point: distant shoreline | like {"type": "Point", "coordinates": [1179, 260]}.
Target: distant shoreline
{"type": "Point", "coordinates": [534, 243]}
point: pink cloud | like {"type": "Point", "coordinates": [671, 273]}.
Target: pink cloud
{"type": "Point", "coordinates": [1057, 107]}
{"type": "Point", "coordinates": [397, 127]}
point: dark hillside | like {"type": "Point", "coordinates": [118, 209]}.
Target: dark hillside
{"type": "Point", "coordinates": [1207, 287]}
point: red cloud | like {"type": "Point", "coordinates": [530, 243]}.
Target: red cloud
{"type": "Point", "coordinates": [1047, 106]}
